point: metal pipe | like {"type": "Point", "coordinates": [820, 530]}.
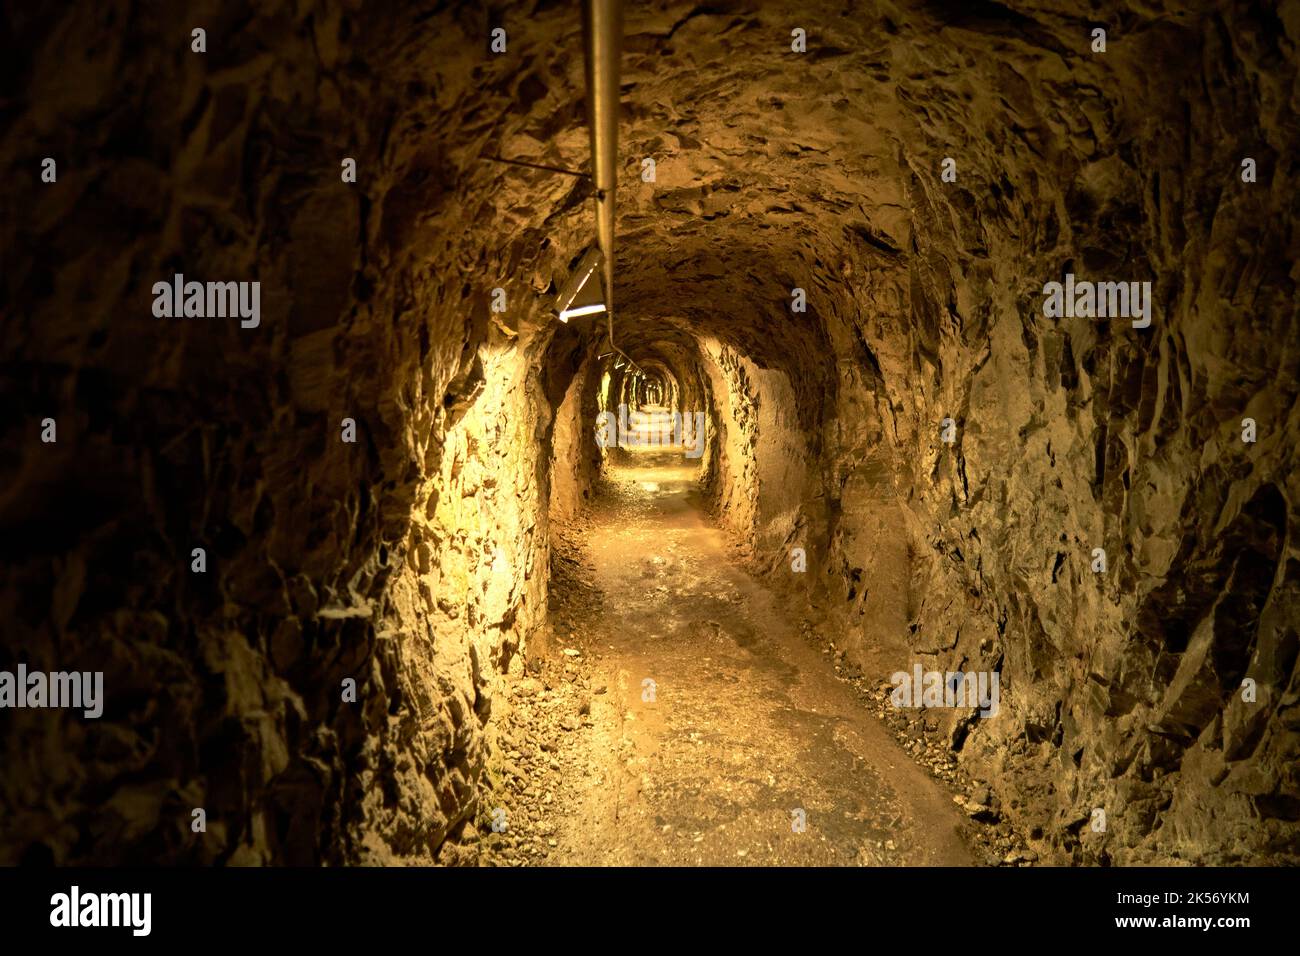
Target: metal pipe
{"type": "Point", "coordinates": [602, 24]}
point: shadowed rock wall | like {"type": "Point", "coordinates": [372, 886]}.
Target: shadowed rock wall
{"type": "Point", "coordinates": [411, 561]}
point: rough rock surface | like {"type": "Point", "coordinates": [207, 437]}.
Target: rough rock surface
{"type": "Point", "coordinates": [415, 561]}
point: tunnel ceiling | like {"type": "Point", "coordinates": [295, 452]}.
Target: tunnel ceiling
{"type": "Point", "coordinates": [821, 171]}
{"type": "Point", "coordinates": [776, 169]}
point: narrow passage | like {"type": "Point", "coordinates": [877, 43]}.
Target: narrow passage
{"type": "Point", "coordinates": [713, 728]}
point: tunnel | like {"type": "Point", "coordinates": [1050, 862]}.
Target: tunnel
{"type": "Point", "coordinates": [923, 496]}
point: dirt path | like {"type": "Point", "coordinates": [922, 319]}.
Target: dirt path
{"type": "Point", "coordinates": [743, 726]}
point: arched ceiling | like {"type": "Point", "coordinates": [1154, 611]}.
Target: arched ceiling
{"type": "Point", "coordinates": [777, 170]}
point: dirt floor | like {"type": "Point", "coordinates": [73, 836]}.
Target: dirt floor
{"type": "Point", "coordinates": [681, 717]}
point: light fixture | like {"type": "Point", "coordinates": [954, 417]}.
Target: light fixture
{"type": "Point", "coordinates": [582, 294]}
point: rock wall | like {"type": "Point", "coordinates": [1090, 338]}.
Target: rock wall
{"type": "Point", "coordinates": [756, 479]}
{"type": "Point", "coordinates": [576, 458]}
{"type": "Point", "coordinates": [1123, 687]}
{"type": "Point", "coordinates": [411, 561]}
